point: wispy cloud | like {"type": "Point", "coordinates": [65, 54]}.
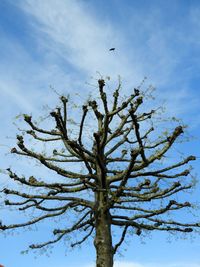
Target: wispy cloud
{"type": "Point", "coordinates": [71, 32]}
{"type": "Point", "coordinates": [72, 42]}
{"type": "Point", "coordinates": [74, 33]}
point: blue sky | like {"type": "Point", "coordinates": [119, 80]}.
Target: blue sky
{"type": "Point", "coordinates": [63, 44]}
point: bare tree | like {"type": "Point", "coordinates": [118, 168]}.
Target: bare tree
{"type": "Point", "coordinates": [122, 185]}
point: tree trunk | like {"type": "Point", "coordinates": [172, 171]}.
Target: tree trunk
{"type": "Point", "coordinates": [103, 238]}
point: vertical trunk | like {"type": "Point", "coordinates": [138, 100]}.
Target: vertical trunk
{"type": "Point", "coordinates": [103, 238]}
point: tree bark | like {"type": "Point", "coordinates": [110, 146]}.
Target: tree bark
{"type": "Point", "coordinates": [103, 238]}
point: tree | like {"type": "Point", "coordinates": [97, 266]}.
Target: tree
{"type": "Point", "coordinates": [122, 185]}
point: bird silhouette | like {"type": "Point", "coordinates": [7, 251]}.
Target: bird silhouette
{"type": "Point", "coordinates": [112, 49]}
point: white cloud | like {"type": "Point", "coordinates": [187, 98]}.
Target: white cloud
{"type": "Point", "coordinates": [12, 91]}
{"type": "Point", "coordinates": [127, 264]}
{"type": "Point", "coordinates": [77, 36]}
{"type": "Point", "coordinates": [134, 264]}
{"type": "Point", "coordinates": [71, 30]}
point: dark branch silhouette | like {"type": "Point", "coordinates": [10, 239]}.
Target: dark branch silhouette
{"type": "Point", "coordinates": [121, 184]}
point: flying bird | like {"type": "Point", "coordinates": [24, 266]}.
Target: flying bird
{"type": "Point", "coordinates": [112, 49]}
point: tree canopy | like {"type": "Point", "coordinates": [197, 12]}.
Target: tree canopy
{"type": "Point", "coordinates": [116, 177]}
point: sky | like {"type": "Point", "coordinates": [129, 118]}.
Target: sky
{"type": "Point", "coordinates": [54, 47]}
